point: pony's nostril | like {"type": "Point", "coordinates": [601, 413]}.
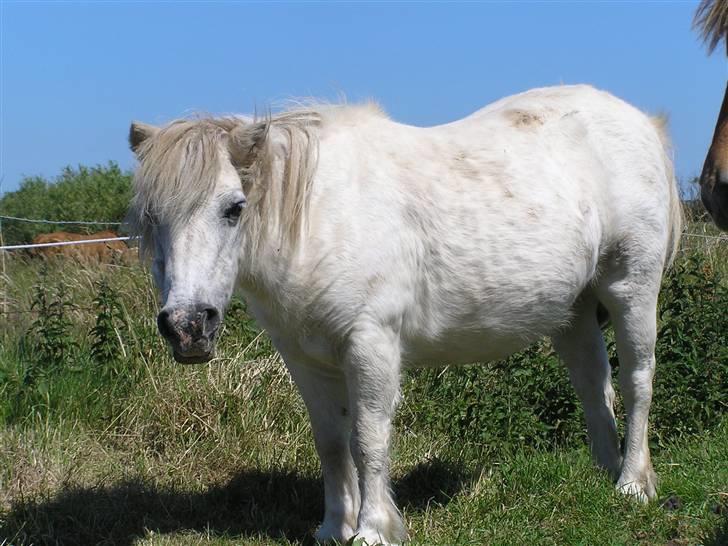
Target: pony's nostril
{"type": "Point", "coordinates": [164, 323]}
{"type": "Point", "coordinates": [211, 321]}
{"type": "Point", "coordinates": [187, 326]}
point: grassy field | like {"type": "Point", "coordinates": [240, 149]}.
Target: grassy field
{"type": "Point", "coordinates": [105, 440]}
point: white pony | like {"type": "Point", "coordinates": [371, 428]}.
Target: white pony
{"type": "Point", "coordinates": [364, 246]}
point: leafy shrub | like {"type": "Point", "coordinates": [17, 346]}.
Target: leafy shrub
{"type": "Point", "coordinates": [526, 399]}
{"type": "Point", "coordinates": [85, 193]}
{"type": "Point", "coordinates": [691, 381]}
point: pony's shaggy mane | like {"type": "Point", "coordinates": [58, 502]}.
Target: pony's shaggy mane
{"type": "Point", "coordinates": [278, 201]}
{"type": "Point", "coordinates": [711, 20]}
{"type": "Point", "coordinates": [179, 166]}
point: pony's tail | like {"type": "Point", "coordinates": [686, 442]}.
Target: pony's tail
{"type": "Point", "coordinates": [676, 216]}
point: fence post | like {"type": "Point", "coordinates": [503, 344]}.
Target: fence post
{"type": "Point", "coordinates": [2, 258]}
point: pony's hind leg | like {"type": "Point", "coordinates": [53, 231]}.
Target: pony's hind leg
{"type": "Point", "coordinates": [581, 347]}
{"type": "Point", "coordinates": [631, 300]}
{"type": "Point", "coordinates": [326, 398]}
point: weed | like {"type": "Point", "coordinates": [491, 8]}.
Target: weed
{"type": "Point", "coordinates": [106, 335]}
{"type": "Point", "coordinates": [54, 341]}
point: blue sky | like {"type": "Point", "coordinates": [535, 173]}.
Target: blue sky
{"type": "Point", "coordinates": [75, 74]}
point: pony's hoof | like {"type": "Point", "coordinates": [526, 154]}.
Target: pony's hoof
{"type": "Point", "coordinates": [637, 491]}
{"type": "Point", "coordinates": [370, 537]}
{"type": "Point", "coordinates": [330, 533]}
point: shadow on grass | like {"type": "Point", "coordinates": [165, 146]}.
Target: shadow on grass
{"type": "Point", "coordinates": [719, 535]}
{"type": "Point", "coordinates": [278, 505]}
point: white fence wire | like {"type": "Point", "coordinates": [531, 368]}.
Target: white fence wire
{"type": "Point", "coordinates": [60, 222]}
{"type": "Point", "coordinates": [721, 237]}
{"type": "Point", "coordinates": [66, 243]}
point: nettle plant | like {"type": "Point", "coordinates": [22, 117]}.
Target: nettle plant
{"type": "Point", "coordinates": [54, 344]}
{"type": "Point", "coordinates": [106, 346]}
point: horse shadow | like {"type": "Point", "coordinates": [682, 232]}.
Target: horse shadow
{"type": "Point", "coordinates": [276, 505]}
{"type": "Point", "coordinates": [719, 535]}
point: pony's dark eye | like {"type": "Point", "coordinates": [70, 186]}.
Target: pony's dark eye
{"type": "Point", "coordinates": [233, 211]}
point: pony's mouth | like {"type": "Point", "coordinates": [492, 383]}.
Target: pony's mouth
{"type": "Point", "coordinates": [193, 357]}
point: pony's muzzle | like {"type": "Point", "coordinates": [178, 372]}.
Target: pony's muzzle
{"type": "Point", "coordinates": [190, 330]}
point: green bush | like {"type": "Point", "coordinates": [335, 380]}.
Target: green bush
{"type": "Point", "coordinates": [691, 381]}
{"type": "Point", "coordinates": [100, 193]}
{"type": "Point", "coordinates": [525, 399]}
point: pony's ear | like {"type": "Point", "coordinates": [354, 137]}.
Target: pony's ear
{"type": "Point", "coordinates": [245, 143]}
{"type": "Point", "coordinates": [138, 133]}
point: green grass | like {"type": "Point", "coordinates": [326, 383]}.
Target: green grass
{"type": "Point", "coordinates": [133, 448]}
{"type": "Point", "coordinates": [66, 485]}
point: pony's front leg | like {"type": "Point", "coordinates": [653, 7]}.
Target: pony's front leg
{"type": "Point", "coordinates": [326, 398]}
{"type": "Point", "coordinates": [372, 367]}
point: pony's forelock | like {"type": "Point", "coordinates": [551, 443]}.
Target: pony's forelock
{"type": "Point", "coordinates": [178, 169]}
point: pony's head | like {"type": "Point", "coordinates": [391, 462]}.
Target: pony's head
{"type": "Point", "coordinates": [188, 200]}
{"type": "Point", "coordinates": [714, 178]}
{"type": "Point", "coordinates": [206, 192]}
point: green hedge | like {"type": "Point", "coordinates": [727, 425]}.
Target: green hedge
{"type": "Point", "coordinates": [100, 193]}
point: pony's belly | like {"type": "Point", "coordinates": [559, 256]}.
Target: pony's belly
{"type": "Point", "coordinates": [462, 348]}
{"type": "Point", "coordinates": [462, 331]}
